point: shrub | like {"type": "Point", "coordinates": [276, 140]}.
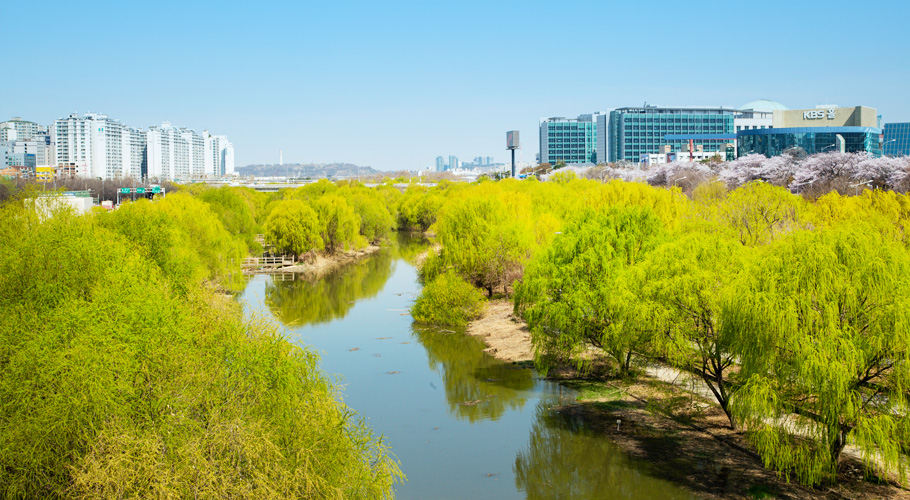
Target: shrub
{"type": "Point", "coordinates": [448, 300]}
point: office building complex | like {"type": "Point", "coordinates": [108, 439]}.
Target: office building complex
{"type": "Point", "coordinates": [94, 145]}
{"type": "Point", "coordinates": [633, 133]}
{"type": "Point", "coordinates": [897, 139]}
{"type": "Point", "coordinates": [570, 140]}
{"type": "Point", "coordinates": [453, 162]}
{"type": "Point", "coordinates": [809, 131]}
{"type": "Point", "coordinates": [440, 164]}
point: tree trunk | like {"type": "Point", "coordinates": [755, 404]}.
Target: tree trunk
{"type": "Point", "coordinates": [837, 446]}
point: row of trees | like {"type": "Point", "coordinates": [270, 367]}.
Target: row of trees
{"type": "Point", "coordinates": [793, 313]}
{"type": "Point", "coordinates": [123, 373]}
{"type": "Point", "coordinates": [813, 176]}
{"type": "Point", "coordinates": [329, 217]}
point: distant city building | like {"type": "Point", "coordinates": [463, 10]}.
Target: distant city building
{"type": "Point", "coordinates": [94, 145]}
{"type": "Point", "coordinates": [633, 132]}
{"type": "Point", "coordinates": [897, 139]}
{"type": "Point", "coordinates": [652, 159]}
{"type": "Point", "coordinates": [219, 154]}
{"type": "Point", "coordinates": [40, 145]}
{"type": "Point", "coordinates": [453, 162]}
{"type": "Point", "coordinates": [757, 115]}
{"type": "Point", "coordinates": [17, 129]}
{"type": "Point", "coordinates": [571, 140]}
{"type": "Point", "coordinates": [25, 160]}
{"type": "Point", "coordinates": [822, 129]}
{"type": "Point", "coordinates": [440, 164]}
{"type": "Point", "coordinates": [173, 153]}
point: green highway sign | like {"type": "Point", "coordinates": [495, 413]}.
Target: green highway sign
{"type": "Point", "coordinates": [156, 189]}
{"type": "Point", "coordinates": [124, 190]}
{"type": "Point", "coordinates": [140, 190]}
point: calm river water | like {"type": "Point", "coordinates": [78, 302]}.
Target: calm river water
{"type": "Point", "coordinates": [462, 424]}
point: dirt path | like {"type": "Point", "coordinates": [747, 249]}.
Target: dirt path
{"type": "Point", "coordinates": [671, 420]}
{"type": "Point", "coordinates": [506, 336]}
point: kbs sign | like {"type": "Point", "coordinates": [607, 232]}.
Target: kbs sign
{"type": "Point", "coordinates": [818, 114]}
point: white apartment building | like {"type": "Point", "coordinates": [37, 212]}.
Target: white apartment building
{"type": "Point", "coordinates": [17, 129]}
{"type": "Point", "coordinates": [219, 155]}
{"type": "Point", "coordinates": [180, 153]}
{"type": "Point", "coordinates": [98, 146]}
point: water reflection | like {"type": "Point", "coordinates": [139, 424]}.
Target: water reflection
{"type": "Point", "coordinates": [566, 460]}
{"type": "Point", "coordinates": [313, 301]}
{"type": "Point", "coordinates": [477, 385]}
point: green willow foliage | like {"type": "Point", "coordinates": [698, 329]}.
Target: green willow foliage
{"type": "Point", "coordinates": [585, 290]}
{"type": "Point", "coordinates": [792, 313]}
{"type": "Point", "coordinates": [822, 327]}
{"type": "Point", "coordinates": [448, 300]}
{"type": "Point", "coordinates": [117, 383]}
{"type": "Point", "coordinates": [347, 216]}
{"type": "Point", "coordinates": [293, 228]}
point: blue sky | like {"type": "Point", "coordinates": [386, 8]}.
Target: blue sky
{"type": "Point", "coordinates": [394, 84]}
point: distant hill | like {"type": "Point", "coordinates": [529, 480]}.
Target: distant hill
{"type": "Point", "coordinates": [312, 170]}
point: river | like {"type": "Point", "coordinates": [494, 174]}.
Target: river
{"type": "Point", "coordinates": [462, 424]}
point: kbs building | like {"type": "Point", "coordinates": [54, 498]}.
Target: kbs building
{"type": "Point", "coordinates": [825, 128]}
{"type": "Point", "coordinates": [897, 139]}
{"type": "Point", "coordinates": [571, 140]}
{"type": "Point", "coordinates": [636, 132]}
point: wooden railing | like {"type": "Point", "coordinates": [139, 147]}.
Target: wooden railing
{"type": "Point", "coordinates": [279, 261]}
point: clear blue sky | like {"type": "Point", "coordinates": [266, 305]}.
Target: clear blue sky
{"type": "Point", "coordinates": [394, 84]}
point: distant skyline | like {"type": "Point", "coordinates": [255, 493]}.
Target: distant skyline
{"type": "Point", "coordinates": [392, 85]}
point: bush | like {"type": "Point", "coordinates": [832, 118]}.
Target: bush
{"type": "Point", "coordinates": [115, 385]}
{"type": "Point", "coordinates": [448, 300]}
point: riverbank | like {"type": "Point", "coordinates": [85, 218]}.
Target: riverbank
{"type": "Point", "coordinates": [670, 423]}
{"type": "Point", "coordinates": [323, 264]}
{"type": "Point", "coordinates": [507, 337]}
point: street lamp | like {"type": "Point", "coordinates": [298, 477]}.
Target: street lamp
{"type": "Point", "coordinates": [802, 184]}
{"type": "Point", "coordinates": [856, 186]}
{"type": "Point", "coordinates": [679, 179]}
{"type": "Point", "coordinates": [828, 146]}
{"type": "Point", "coordinates": [886, 142]}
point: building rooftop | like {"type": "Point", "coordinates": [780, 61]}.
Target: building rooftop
{"type": "Point", "coordinates": [763, 105]}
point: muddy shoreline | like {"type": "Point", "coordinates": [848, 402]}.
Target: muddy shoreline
{"type": "Point", "coordinates": [682, 435]}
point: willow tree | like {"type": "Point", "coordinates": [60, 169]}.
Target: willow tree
{"type": "Point", "coordinates": [761, 213]}
{"type": "Point", "coordinates": [821, 328]}
{"type": "Point", "coordinates": [585, 291]}
{"type": "Point", "coordinates": [486, 237]}
{"type": "Point", "coordinates": [689, 280]}
{"type": "Point", "coordinates": [339, 223]}
{"type": "Point", "coordinates": [293, 227]}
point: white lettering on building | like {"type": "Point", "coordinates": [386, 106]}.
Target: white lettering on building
{"type": "Point", "coordinates": [818, 114]}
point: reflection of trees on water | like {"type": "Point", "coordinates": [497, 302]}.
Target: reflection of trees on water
{"type": "Point", "coordinates": [566, 460]}
{"type": "Point", "coordinates": [303, 301]}
{"type": "Point", "coordinates": [477, 385]}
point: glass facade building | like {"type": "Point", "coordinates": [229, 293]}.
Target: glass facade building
{"type": "Point", "coordinates": [773, 142]}
{"type": "Point", "coordinates": [573, 141]}
{"type": "Point", "coordinates": [637, 131]}
{"type": "Point", "coordinates": [897, 139]}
